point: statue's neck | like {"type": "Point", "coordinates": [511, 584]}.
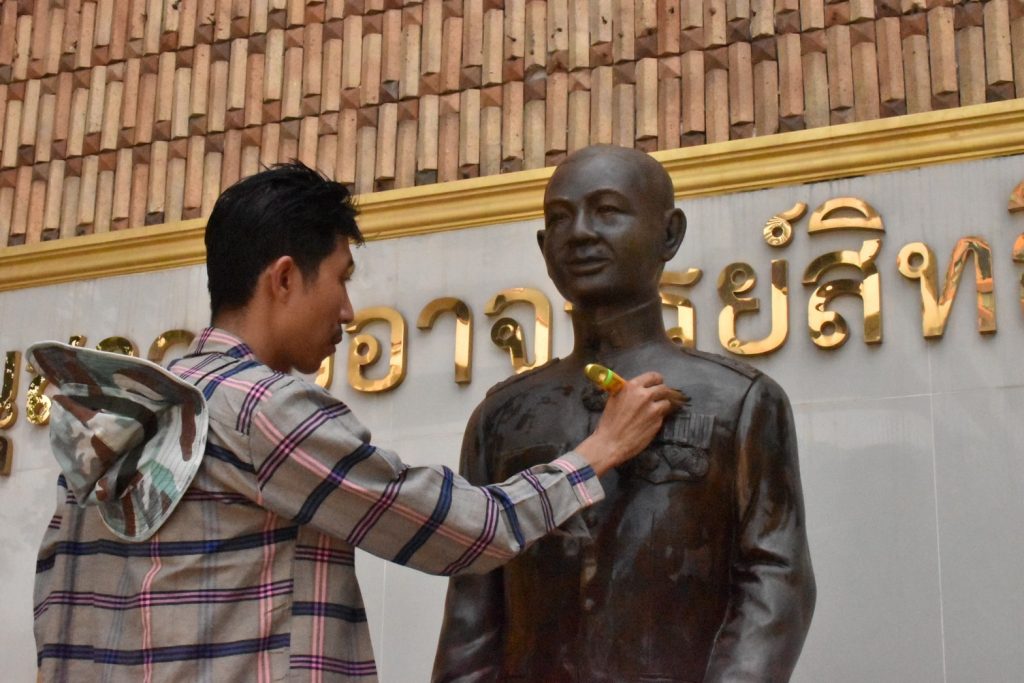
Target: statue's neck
{"type": "Point", "coordinates": [602, 333]}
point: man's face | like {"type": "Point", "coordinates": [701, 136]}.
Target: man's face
{"type": "Point", "coordinates": [320, 310]}
{"type": "Point", "coordinates": [603, 232]}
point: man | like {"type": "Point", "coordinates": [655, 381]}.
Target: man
{"type": "Point", "coordinates": [246, 573]}
{"type": "Point", "coordinates": [695, 566]}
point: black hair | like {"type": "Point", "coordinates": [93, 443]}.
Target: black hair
{"type": "Point", "coordinates": [286, 210]}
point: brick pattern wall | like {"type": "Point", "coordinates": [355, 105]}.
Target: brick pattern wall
{"type": "Point", "coordinates": [122, 113]}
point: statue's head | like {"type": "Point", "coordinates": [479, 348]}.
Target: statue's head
{"type": "Point", "coordinates": [610, 225]}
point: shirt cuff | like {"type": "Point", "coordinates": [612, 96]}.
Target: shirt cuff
{"type": "Point", "coordinates": [581, 476]}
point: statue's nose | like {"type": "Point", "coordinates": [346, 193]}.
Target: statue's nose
{"type": "Point", "coordinates": [582, 227]}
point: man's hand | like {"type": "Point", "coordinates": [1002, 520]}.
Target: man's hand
{"type": "Point", "coordinates": [630, 420]}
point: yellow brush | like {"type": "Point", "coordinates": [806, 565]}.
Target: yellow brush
{"type": "Point", "coordinates": [607, 380]}
{"type": "Point", "coordinates": [604, 378]}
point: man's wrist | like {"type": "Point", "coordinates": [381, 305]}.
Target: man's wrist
{"type": "Point", "coordinates": [599, 454]}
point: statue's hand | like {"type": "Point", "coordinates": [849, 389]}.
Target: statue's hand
{"type": "Point", "coordinates": [630, 420]}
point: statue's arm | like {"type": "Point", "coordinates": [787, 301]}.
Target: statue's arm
{"type": "Point", "coordinates": [773, 592]}
{"type": "Point", "coordinates": [471, 644]}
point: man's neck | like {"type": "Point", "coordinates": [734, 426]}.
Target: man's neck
{"type": "Point", "coordinates": [600, 333]}
{"type": "Point", "coordinates": [250, 327]}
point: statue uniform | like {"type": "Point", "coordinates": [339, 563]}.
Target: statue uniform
{"type": "Point", "coordinates": [694, 568]}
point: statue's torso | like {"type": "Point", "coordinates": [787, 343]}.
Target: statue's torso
{"type": "Point", "coordinates": [636, 587]}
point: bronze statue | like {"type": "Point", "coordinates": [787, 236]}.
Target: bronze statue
{"type": "Point", "coordinates": [695, 567]}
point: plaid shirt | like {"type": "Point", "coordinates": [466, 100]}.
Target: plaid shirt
{"type": "Point", "coordinates": [252, 577]}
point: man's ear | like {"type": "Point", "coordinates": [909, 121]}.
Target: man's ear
{"type": "Point", "coordinates": [283, 277]}
{"type": "Point", "coordinates": [541, 235]}
{"type": "Point", "coordinates": [675, 230]}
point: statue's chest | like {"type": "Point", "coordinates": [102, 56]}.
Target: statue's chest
{"type": "Point", "coordinates": [684, 466]}
{"type": "Point", "coordinates": [532, 428]}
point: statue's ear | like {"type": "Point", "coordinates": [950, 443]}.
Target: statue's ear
{"type": "Point", "coordinates": [541, 234]}
{"type": "Point", "coordinates": [675, 229]}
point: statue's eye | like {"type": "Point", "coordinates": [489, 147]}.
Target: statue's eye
{"type": "Point", "coordinates": [607, 210]}
{"type": "Point", "coordinates": [555, 219]}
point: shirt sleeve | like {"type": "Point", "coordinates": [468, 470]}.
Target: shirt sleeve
{"type": "Point", "coordinates": [773, 589]}
{"type": "Point", "coordinates": [315, 465]}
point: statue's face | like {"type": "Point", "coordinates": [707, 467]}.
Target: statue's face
{"type": "Point", "coordinates": [603, 231]}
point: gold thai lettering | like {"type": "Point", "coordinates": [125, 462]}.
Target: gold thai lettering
{"type": "Point", "coordinates": [463, 332]}
{"type": "Point", "coordinates": [37, 404]}
{"type": "Point", "coordinates": [6, 456]}
{"type": "Point", "coordinates": [507, 334]}
{"type": "Point", "coordinates": [828, 328]}
{"type": "Point", "coordinates": [685, 333]}
{"type": "Point", "coordinates": [917, 262]}
{"type": "Point", "coordinates": [778, 230]}
{"type": "Point", "coordinates": [365, 350]}
{"type": "Point", "coordinates": [121, 345]}
{"type": "Point", "coordinates": [1016, 202]}
{"type": "Point", "coordinates": [158, 349]}
{"type": "Point", "coordinates": [325, 373]}
{"type": "Point", "coordinates": [9, 393]}
{"type": "Point", "coordinates": [8, 409]}
{"type": "Point", "coordinates": [739, 278]}
{"type": "Point", "coordinates": [835, 214]}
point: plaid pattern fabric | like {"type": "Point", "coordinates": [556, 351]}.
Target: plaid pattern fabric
{"type": "Point", "coordinates": [252, 577]}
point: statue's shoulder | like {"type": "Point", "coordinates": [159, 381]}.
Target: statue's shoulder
{"type": "Point", "coordinates": [519, 381]}
{"type": "Point", "coordinates": [748, 371]}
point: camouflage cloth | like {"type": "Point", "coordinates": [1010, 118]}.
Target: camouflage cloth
{"type": "Point", "coordinates": [128, 435]}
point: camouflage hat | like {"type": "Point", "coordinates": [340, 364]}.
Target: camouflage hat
{"type": "Point", "coordinates": [128, 435]}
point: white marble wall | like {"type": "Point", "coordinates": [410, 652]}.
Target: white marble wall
{"type": "Point", "coordinates": [912, 459]}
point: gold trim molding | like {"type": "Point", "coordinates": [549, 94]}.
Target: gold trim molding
{"type": "Point", "coordinates": [962, 134]}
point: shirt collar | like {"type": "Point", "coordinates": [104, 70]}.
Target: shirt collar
{"type": "Point", "coordinates": [216, 340]}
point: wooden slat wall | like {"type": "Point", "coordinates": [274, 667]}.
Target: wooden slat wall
{"type": "Point", "coordinates": [120, 113]}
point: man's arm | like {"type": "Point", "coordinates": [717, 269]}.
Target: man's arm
{"type": "Point", "coordinates": [471, 646]}
{"type": "Point", "coordinates": [314, 465]}
{"type": "Point", "coordinates": [773, 589]}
